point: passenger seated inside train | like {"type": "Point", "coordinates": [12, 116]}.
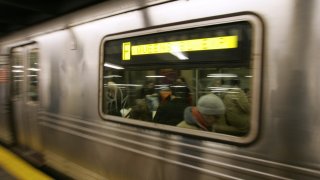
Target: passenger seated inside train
{"type": "Point", "coordinates": [140, 111]}
{"type": "Point", "coordinates": [171, 112]}
{"type": "Point", "coordinates": [237, 118]}
{"type": "Point", "coordinates": [204, 115]}
{"type": "Point", "coordinates": [147, 103]}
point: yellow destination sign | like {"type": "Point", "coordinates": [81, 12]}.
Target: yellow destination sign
{"type": "Point", "coordinates": [223, 42]}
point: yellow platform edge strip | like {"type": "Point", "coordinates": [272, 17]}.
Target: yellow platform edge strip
{"type": "Point", "coordinates": [19, 168]}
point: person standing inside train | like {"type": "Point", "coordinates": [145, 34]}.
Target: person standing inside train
{"type": "Point", "coordinates": [114, 97]}
{"type": "Point", "coordinates": [208, 111]}
{"type": "Point", "coordinates": [171, 112]}
{"type": "Point", "coordinates": [236, 121]}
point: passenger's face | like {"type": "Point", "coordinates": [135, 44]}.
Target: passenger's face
{"type": "Point", "coordinates": [210, 119]}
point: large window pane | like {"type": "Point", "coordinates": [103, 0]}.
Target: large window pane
{"type": "Point", "coordinates": [160, 78]}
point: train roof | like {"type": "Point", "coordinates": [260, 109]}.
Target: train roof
{"type": "Point", "coordinates": [19, 14]}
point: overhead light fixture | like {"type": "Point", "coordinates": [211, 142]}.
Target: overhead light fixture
{"type": "Point", "coordinates": [233, 92]}
{"type": "Point", "coordinates": [132, 85]}
{"type": "Point", "coordinates": [160, 85]}
{"type": "Point", "coordinates": [112, 66]}
{"type": "Point", "coordinates": [155, 76]}
{"type": "Point", "coordinates": [126, 85]}
{"type": "Point", "coordinates": [223, 88]}
{"type": "Point", "coordinates": [112, 76]}
{"type": "Point", "coordinates": [218, 88]}
{"type": "Point", "coordinates": [178, 86]}
{"type": "Point", "coordinates": [222, 75]}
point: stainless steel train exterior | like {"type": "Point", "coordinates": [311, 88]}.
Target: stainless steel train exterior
{"type": "Point", "coordinates": [66, 124]}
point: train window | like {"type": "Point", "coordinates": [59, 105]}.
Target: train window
{"type": "Point", "coordinates": [32, 76]}
{"type": "Point", "coordinates": [17, 72]}
{"type": "Point", "coordinates": [193, 78]}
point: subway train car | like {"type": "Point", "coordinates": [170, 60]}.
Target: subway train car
{"type": "Point", "coordinates": [96, 93]}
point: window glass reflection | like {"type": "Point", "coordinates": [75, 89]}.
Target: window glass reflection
{"type": "Point", "coordinates": [17, 73]}
{"type": "Point", "coordinates": [32, 76]}
{"type": "Point", "coordinates": [162, 95]}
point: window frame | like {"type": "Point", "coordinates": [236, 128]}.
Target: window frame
{"type": "Point", "coordinates": [256, 86]}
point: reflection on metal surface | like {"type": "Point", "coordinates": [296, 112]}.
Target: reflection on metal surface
{"type": "Point", "coordinates": [17, 71]}
{"type": "Point", "coordinates": [33, 69]}
{"type": "Point", "coordinates": [18, 66]}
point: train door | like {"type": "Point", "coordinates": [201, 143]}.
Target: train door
{"type": "Point", "coordinates": [25, 95]}
{"type": "Point", "coordinates": [6, 134]}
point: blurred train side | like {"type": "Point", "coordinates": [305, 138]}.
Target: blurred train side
{"type": "Point", "coordinates": [75, 140]}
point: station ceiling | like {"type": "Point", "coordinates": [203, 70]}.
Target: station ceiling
{"type": "Point", "coordinates": [18, 14]}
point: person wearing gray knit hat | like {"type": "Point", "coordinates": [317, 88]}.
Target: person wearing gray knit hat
{"type": "Point", "coordinates": [210, 104]}
{"type": "Point", "coordinates": [202, 117]}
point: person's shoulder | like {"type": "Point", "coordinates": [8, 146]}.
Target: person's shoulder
{"type": "Point", "coordinates": [183, 124]}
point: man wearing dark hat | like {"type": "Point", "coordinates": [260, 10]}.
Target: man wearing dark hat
{"type": "Point", "coordinates": [202, 117]}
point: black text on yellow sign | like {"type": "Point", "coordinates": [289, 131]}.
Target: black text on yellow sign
{"type": "Point", "coordinates": [223, 42]}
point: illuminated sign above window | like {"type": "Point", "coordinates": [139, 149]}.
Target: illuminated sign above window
{"type": "Point", "coordinates": [223, 42]}
{"type": "Point", "coordinates": [213, 45]}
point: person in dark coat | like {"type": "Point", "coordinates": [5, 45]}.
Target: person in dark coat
{"type": "Point", "coordinates": [171, 112]}
{"type": "Point", "coordinates": [146, 104]}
